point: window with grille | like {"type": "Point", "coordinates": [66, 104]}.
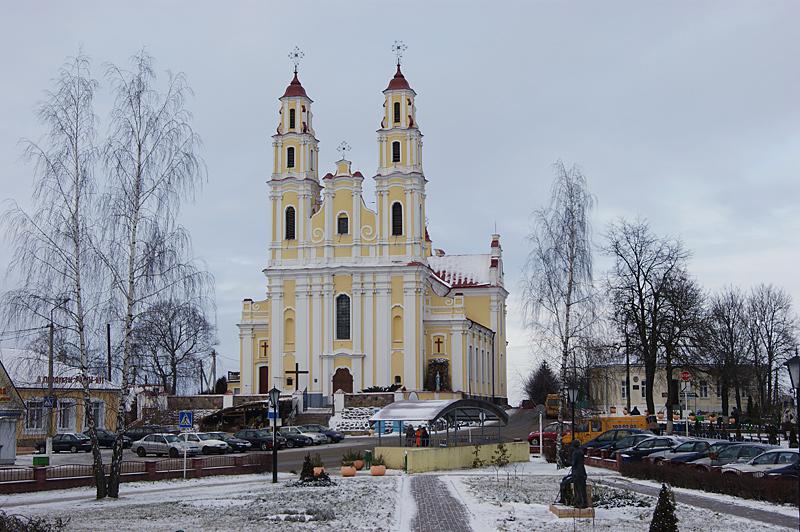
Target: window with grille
{"type": "Point", "coordinates": [289, 223]}
{"type": "Point", "coordinates": [396, 112]}
{"type": "Point", "coordinates": [644, 388]}
{"type": "Point", "coordinates": [703, 388]}
{"type": "Point", "coordinates": [342, 317]}
{"type": "Point", "coordinates": [66, 416]}
{"type": "Point", "coordinates": [34, 417]}
{"type": "Point", "coordinates": [98, 413]}
{"type": "Point", "coordinates": [290, 157]}
{"type": "Point", "coordinates": [395, 152]}
{"type": "Point", "coordinates": [397, 219]}
{"type": "Point", "coordinates": [341, 224]}
{"type": "Point", "coordinates": [624, 389]}
{"type": "Point", "coordinates": [291, 118]}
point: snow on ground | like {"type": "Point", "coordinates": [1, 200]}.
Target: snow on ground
{"type": "Point", "coordinates": [242, 503]}
{"type": "Point", "coordinates": [522, 504]}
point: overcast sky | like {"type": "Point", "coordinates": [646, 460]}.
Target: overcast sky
{"type": "Point", "coordinates": [684, 113]}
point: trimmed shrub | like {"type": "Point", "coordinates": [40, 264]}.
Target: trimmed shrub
{"type": "Point", "coordinates": [664, 519]}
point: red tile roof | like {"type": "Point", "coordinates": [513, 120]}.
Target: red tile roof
{"type": "Point", "coordinates": [295, 88]}
{"type": "Point", "coordinates": [398, 82]}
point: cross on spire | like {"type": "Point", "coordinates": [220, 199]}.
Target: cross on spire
{"type": "Point", "coordinates": [398, 48]}
{"type": "Point", "coordinates": [296, 56]}
{"type": "Point", "coordinates": [343, 148]}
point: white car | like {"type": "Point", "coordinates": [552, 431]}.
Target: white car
{"type": "Point", "coordinates": [317, 438]}
{"type": "Point", "coordinates": [207, 443]}
{"type": "Point", "coordinates": [764, 462]}
{"type": "Point", "coordinates": [161, 444]}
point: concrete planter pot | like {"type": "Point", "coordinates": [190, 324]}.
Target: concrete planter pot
{"type": "Point", "coordinates": [358, 464]}
{"type": "Point", "coordinates": [378, 470]}
{"type": "Point", "coordinates": [348, 471]}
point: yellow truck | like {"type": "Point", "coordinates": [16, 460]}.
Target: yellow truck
{"type": "Point", "coordinates": [589, 428]}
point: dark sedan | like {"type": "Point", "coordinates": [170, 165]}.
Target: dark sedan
{"type": "Point", "coordinates": [237, 445]}
{"type": "Point", "coordinates": [626, 443]}
{"type": "Point", "coordinates": [789, 471]}
{"type": "Point", "coordinates": [69, 441]}
{"type": "Point", "coordinates": [294, 438]}
{"type": "Point", "coordinates": [260, 438]}
{"type": "Point", "coordinates": [649, 446]}
{"type": "Point", "coordinates": [333, 435]}
{"type": "Point", "coordinates": [106, 438]}
{"type": "Point", "coordinates": [715, 448]}
{"type": "Point", "coordinates": [608, 438]}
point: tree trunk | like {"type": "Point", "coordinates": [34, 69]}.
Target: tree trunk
{"type": "Point", "coordinates": [669, 392]}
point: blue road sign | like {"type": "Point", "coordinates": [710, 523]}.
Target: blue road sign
{"type": "Point", "coordinates": [185, 419]}
{"type": "Point", "coordinates": [271, 414]}
{"type": "Point", "coordinates": [49, 402]}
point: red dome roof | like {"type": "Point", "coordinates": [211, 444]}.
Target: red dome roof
{"type": "Point", "coordinates": [398, 82]}
{"type": "Point", "coordinates": [294, 88]}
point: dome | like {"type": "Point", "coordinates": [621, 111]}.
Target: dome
{"type": "Point", "coordinates": [398, 82]}
{"type": "Point", "coordinates": [295, 88]}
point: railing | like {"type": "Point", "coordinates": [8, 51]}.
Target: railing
{"type": "Point", "coordinates": [18, 474]}
{"type": "Point", "coordinates": [130, 468]}
{"type": "Point", "coordinates": [219, 461]}
{"type": "Point", "coordinates": [171, 464]}
{"type": "Point", "coordinates": [69, 471]}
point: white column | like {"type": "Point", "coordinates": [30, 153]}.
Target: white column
{"type": "Point", "coordinates": [408, 215]}
{"type": "Point", "coordinates": [410, 355]}
{"type": "Point", "coordinates": [276, 336]}
{"type": "Point", "coordinates": [328, 330]}
{"type": "Point", "coordinates": [355, 306]}
{"type": "Point", "coordinates": [383, 332]}
{"type": "Point", "coordinates": [319, 345]}
{"type": "Point", "coordinates": [327, 198]}
{"type": "Point", "coordinates": [356, 221]}
{"type": "Point", "coordinates": [301, 353]}
{"type": "Point", "coordinates": [457, 359]}
{"type": "Point", "coordinates": [369, 324]}
{"type": "Point", "coordinates": [246, 369]}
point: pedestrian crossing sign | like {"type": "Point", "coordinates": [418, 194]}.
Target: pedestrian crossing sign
{"type": "Point", "coordinates": [185, 419]}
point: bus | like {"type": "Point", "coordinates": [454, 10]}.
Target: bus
{"type": "Point", "coordinates": [589, 428]}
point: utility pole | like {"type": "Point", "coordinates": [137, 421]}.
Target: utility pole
{"type": "Point", "coordinates": [213, 368]}
{"type": "Point", "coordinates": [51, 410]}
{"type": "Point", "coordinates": [201, 375]}
{"type": "Point", "coordinates": [628, 369]}
{"type": "Point", "coordinates": [108, 348]}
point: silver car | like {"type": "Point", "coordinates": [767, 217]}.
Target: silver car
{"type": "Point", "coordinates": [207, 443]}
{"type": "Point", "coordinates": [164, 444]}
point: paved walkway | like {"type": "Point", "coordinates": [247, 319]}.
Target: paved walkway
{"type": "Point", "coordinates": [437, 510]}
{"type": "Point", "coordinates": [708, 503]}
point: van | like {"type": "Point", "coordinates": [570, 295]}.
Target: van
{"type": "Point", "coordinates": [590, 428]}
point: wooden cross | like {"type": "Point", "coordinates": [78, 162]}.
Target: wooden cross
{"type": "Point", "coordinates": [438, 343]}
{"type": "Point", "coordinates": [264, 346]}
{"type": "Point", "coordinates": [296, 374]}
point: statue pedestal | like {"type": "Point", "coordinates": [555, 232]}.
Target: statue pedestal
{"type": "Point", "coordinates": [568, 511]}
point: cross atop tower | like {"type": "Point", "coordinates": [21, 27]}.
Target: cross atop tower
{"type": "Point", "coordinates": [296, 56]}
{"type": "Point", "coordinates": [398, 48]}
{"type": "Point", "coordinates": [343, 148]}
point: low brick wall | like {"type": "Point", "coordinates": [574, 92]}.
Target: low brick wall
{"type": "Point", "coordinates": [376, 399]}
{"type": "Point", "coordinates": [601, 459]}
{"type": "Point", "coordinates": [22, 480]}
{"type": "Point", "coordinates": [421, 459]}
{"type": "Point", "coordinates": [194, 402]}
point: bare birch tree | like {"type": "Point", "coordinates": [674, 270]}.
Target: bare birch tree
{"type": "Point", "coordinates": [558, 290]}
{"type": "Point", "coordinates": [643, 273]}
{"type": "Point", "coordinates": [153, 166]}
{"type": "Point", "coordinates": [52, 245]}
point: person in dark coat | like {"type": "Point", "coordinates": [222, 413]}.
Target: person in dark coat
{"type": "Point", "coordinates": [410, 436]}
{"type": "Point", "coordinates": [426, 438]}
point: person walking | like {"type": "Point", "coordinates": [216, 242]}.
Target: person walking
{"type": "Point", "coordinates": [418, 434]}
{"type": "Point", "coordinates": [426, 438]}
{"type": "Point", "coordinates": [410, 435]}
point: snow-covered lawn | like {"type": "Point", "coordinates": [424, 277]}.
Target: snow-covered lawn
{"type": "Point", "coordinates": [242, 503]}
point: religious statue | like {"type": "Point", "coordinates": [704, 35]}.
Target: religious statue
{"type": "Point", "coordinates": [438, 382]}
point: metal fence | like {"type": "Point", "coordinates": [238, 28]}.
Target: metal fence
{"type": "Point", "coordinates": [16, 474]}
{"type": "Point", "coordinates": [171, 464]}
{"type": "Point", "coordinates": [69, 471]}
{"type": "Point", "coordinates": [219, 461]}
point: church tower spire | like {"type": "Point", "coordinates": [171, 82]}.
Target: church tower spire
{"type": "Point", "coordinates": [294, 187]}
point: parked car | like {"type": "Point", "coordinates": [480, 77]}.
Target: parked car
{"type": "Point", "coordinates": [106, 438]}
{"type": "Point", "coordinates": [297, 438]}
{"type": "Point", "coordinates": [610, 436]}
{"type": "Point", "coordinates": [333, 435]}
{"type": "Point", "coordinates": [650, 445]}
{"type": "Point", "coordinates": [626, 443]}
{"type": "Point", "coordinates": [137, 433]}
{"type": "Point", "coordinates": [767, 461]}
{"type": "Point", "coordinates": [549, 432]}
{"type": "Point", "coordinates": [161, 444]}
{"type": "Point", "coordinates": [237, 445]}
{"type": "Point", "coordinates": [715, 447]}
{"type": "Point", "coordinates": [317, 438]}
{"type": "Point", "coordinates": [67, 441]}
{"type": "Point", "coordinates": [688, 447]}
{"type": "Point", "coordinates": [207, 443]}
{"type": "Point", "coordinates": [741, 453]}
{"type": "Point", "coordinates": [789, 471]}
{"type": "Point", "coordinates": [261, 438]}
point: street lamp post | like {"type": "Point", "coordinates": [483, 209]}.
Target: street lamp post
{"type": "Point", "coordinates": [274, 397]}
{"type": "Point", "coordinates": [573, 396]}
{"type": "Point", "coordinates": [793, 365]}
{"type": "Point", "coordinates": [51, 410]}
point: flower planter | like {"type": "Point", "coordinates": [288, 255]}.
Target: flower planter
{"type": "Point", "coordinates": [358, 464]}
{"type": "Point", "coordinates": [348, 471]}
{"type": "Point", "coordinates": [318, 471]}
{"type": "Point", "coordinates": [660, 415]}
{"type": "Point", "coordinates": [613, 409]}
{"type": "Point", "coordinates": [378, 470]}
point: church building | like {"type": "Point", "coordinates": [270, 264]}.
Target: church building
{"type": "Point", "coordinates": [358, 298]}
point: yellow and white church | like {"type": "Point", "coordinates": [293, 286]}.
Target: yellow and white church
{"type": "Point", "coordinates": [357, 298]}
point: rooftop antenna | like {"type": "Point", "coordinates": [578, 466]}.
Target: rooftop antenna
{"type": "Point", "coordinates": [398, 48]}
{"type": "Point", "coordinates": [296, 56]}
{"type": "Point", "coordinates": [343, 148]}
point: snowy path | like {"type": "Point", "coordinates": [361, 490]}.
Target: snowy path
{"type": "Point", "coordinates": [437, 510]}
{"type": "Point", "coordinates": [710, 502]}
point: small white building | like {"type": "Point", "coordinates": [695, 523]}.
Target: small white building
{"type": "Point", "coordinates": [12, 408]}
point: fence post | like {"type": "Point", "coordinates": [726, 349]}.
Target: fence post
{"type": "Point", "coordinates": [150, 470]}
{"type": "Point", "coordinates": [40, 477]}
{"type": "Point", "coordinates": [197, 465]}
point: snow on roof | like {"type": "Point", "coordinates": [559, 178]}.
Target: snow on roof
{"type": "Point", "coordinates": [28, 369]}
{"type": "Point", "coordinates": [462, 271]}
{"type": "Point", "coordinates": [430, 410]}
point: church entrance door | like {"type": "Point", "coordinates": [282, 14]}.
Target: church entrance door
{"type": "Point", "coordinates": [263, 380]}
{"type": "Point", "coordinates": [343, 380]}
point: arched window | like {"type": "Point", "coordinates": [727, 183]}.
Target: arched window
{"type": "Point", "coordinates": [341, 224]}
{"type": "Point", "coordinates": [290, 223]}
{"type": "Point", "coordinates": [342, 317]}
{"type": "Point", "coordinates": [396, 112]}
{"type": "Point", "coordinates": [291, 118]}
{"type": "Point", "coordinates": [396, 151]}
{"type": "Point", "coordinates": [290, 157]}
{"type": "Point", "coordinates": [397, 218]}
{"type": "Point", "coordinates": [311, 159]}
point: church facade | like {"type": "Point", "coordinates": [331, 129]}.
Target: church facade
{"type": "Point", "coordinates": [359, 298]}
